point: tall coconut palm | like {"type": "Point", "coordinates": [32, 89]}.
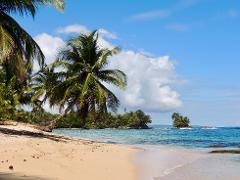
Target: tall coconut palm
{"type": "Point", "coordinates": [17, 47]}
{"type": "Point", "coordinates": [84, 87]}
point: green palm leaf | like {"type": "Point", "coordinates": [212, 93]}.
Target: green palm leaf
{"type": "Point", "coordinates": [14, 40]}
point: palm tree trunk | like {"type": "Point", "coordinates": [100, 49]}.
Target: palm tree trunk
{"type": "Point", "coordinates": [53, 123]}
{"type": "Point", "coordinates": [83, 113]}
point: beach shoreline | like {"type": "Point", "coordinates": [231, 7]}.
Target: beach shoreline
{"type": "Point", "coordinates": [177, 163]}
{"type": "Point", "coordinates": [34, 154]}
{"type": "Point", "coordinates": [33, 157]}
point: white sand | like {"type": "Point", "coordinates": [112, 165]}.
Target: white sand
{"type": "Point", "coordinates": [33, 157]}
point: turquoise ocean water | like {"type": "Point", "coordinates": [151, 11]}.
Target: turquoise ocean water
{"type": "Point", "coordinates": [196, 137]}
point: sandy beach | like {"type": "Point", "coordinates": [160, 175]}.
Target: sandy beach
{"type": "Point", "coordinates": [30, 154]}
{"type": "Point", "coordinates": [47, 157]}
{"type": "Point", "coordinates": [176, 163]}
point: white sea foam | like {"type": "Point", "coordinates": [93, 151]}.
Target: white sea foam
{"type": "Point", "coordinates": [185, 128]}
{"type": "Point", "coordinates": [209, 128]}
{"type": "Point", "coordinates": [170, 170]}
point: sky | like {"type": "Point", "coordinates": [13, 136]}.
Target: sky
{"type": "Point", "coordinates": [180, 55]}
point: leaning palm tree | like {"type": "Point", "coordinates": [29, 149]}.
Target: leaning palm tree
{"type": "Point", "coordinates": [84, 86]}
{"type": "Point", "coordinates": [17, 47]}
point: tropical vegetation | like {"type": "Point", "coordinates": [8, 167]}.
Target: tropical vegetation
{"type": "Point", "coordinates": [77, 83]}
{"type": "Point", "coordinates": [180, 121]}
{"type": "Point", "coordinates": [17, 48]}
{"type": "Point", "coordinates": [81, 84]}
{"type": "Point", "coordinates": [135, 120]}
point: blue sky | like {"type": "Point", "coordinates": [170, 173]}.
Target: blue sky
{"type": "Point", "coordinates": [201, 37]}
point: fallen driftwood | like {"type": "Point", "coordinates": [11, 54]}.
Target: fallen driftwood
{"type": "Point", "coordinates": [32, 134]}
{"type": "Point", "coordinates": [226, 151]}
{"type": "Point", "coordinates": [216, 146]}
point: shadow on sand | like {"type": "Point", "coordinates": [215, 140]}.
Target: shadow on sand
{"type": "Point", "coordinates": [42, 134]}
{"type": "Point", "coordinates": [33, 134]}
{"type": "Point", "coordinates": [14, 176]}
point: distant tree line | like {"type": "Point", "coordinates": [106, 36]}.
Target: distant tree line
{"type": "Point", "coordinates": [135, 120]}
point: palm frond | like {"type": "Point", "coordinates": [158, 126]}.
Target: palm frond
{"type": "Point", "coordinates": [25, 7]}
{"type": "Point", "coordinates": [20, 41]}
{"type": "Point", "coordinates": [113, 76]}
{"type": "Point", "coordinates": [105, 54]}
{"type": "Point", "coordinates": [6, 43]}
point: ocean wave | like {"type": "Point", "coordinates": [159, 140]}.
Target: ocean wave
{"type": "Point", "coordinates": [209, 128]}
{"type": "Point", "coordinates": [186, 128]}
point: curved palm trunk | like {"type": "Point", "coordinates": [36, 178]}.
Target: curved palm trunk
{"type": "Point", "coordinates": [53, 123]}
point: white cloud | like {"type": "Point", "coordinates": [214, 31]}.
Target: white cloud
{"type": "Point", "coordinates": [177, 27]}
{"type": "Point", "coordinates": [107, 34]}
{"type": "Point", "coordinates": [75, 28]}
{"type": "Point", "coordinates": [150, 79]}
{"type": "Point", "coordinates": [164, 13]}
{"type": "Point", "coordinates": [185, 4]}
{"type": "Point", "coordinates": [80, 29]}
{"type": "Point", "coordinates": [233, 13]}
{"type": "Point", "coordinates": [229, 14]}
{"type": "Point", "coordinates": [50, 45]}
{"type": "Point", "coordinates": [104, 43]}
{"type": "Point", "coordinates": [150, 15]}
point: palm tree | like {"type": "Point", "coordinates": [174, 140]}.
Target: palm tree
{"type": "Point", "coordinates": [43, 84]}
{"type": "Point", "coordinates": [180, 121]}
{"type": "Point", "coordinates": [83, 89]}
{"type": "Point", "coordinates": [11, 95]}
{"type": "Point", "coordinates": [175, 115]}
{"type": "Point", "coordinates": [17, 47]}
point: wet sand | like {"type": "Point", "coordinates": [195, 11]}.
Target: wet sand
{"type": "Point", "coordinates": [171, 163]}
{"type": "Point", "coordinates": [217, 167]}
